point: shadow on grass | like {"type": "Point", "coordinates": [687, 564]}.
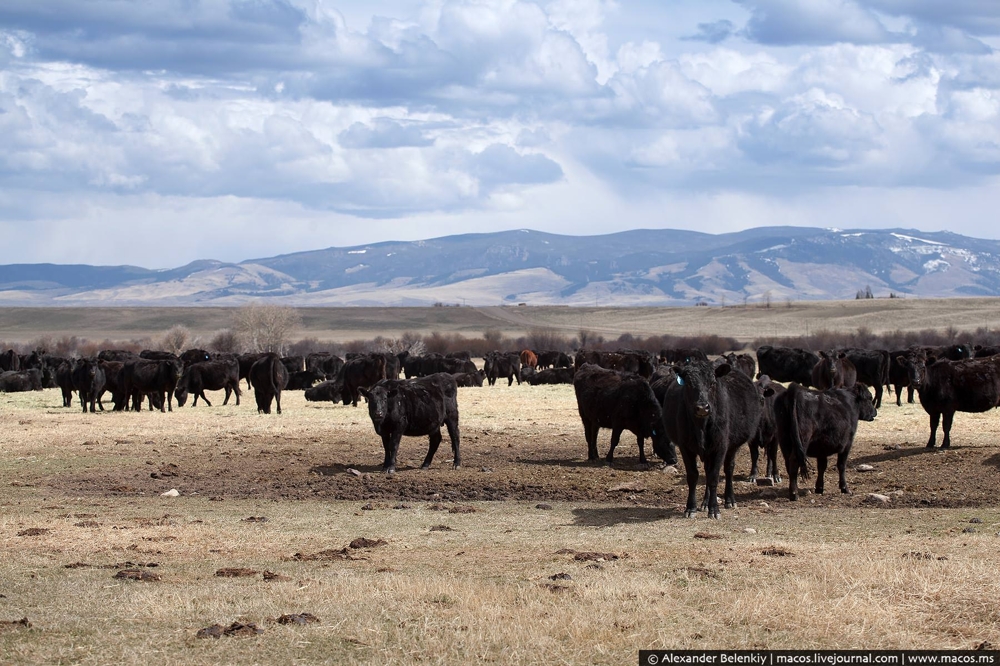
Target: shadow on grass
{"type": "Point", "coordinates": [334, 469]}
{"type": "Point", "coordinates": [610, 516]}
{"type": "Point", "coordinates": [895, 454]}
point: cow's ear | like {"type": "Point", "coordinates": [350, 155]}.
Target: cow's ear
{"type": "Point", "coordinates": [899, 360]}
{"type": "Point", "coordinates": [723, 370]}
{"type": "Point", "coordinates": [841, 355]}
{"type": "Point", "coordinates": [366, 393]}
{"type": "Point", "coordinates": [768, 392]}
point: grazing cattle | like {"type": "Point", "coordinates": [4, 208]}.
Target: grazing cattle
{"type": "Point", "coordinates": [360, 372]}
{"type": "Point", "coordinates": [958, 386]}
{"type": "Point", "coordinates": [16, 381]}
{"type": "Point", "coordinates": [192, 356]}
{"type": "Point", "coordinates": [818, 424]}
{"type": "Point", "coordinates": [742, 362]}
{"type": "Point", "coordinates": [872, 367]}
{"type": "Point", "coordinates": [834, 370]}
{"type": "Point", "coordinates": [906, 368]}
{"type": "Point", "coordinates": [527, 373]}
{"type": "Point", "coordinates": [246, 362]}
{"type": "Point", "coordinates": [552, 376]}
{"type": "Point", "coordinates": [113, 383]}
{"type": "Point", "coordinates": [528, 359]}
{"type": "Point", "coordinates": [506, 364]}
{"type": "Point", "coordinates": [209, 376]}
{"type": "Point", "coordinates": [329, 391]}
{"type": "Point", "coordinates": [157, 380]}
{"type": "Point", "coordinates": [619, 401]}
{"type": "Point", "coordinates": [304, 379]}
{"type": "Point", "coordinates": [414, 408]}
{"type": "Point", "coordinates": [268, 376]}
{"type": "Point", "coordinates": [324, 362]}
{"type": "Point", "coordinates": [786, 364]}
{"type": "Point", "coordinates": [986, 352]}
{"type": "Point", "coordinates": [154, 355]}
{"type": "Point", "coordinates": [88, 380]}
{"type": "Point", "coordinates": [709, 412]}
{"type": "Point", "coordinates": [682, 355]}
{"type": "Point", "coordinates": [468, 379]}
{"type": "Point", "coordinates": [10, 361]}
{"type": "Point", "coordinates": [766, 437]}
{"type": "Point", "coordinates": [293, 364]}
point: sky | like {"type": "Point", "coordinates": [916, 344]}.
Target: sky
{"type": "Point", "coordinates": [157, 133]}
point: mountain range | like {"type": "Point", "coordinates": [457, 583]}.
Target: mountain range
{"type": "Point", "coordinates": [639, 267]}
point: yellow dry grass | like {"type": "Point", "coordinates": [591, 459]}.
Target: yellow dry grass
{"type": "Point", "coordinates": [481, 591]}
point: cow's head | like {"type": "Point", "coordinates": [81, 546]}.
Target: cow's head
{"type": "Point", "coordinates": [379, 398]}
{"type": "Point", "coordinates": [699, 380]}
{"type": "Point", "coordinates": [176, 369]}
{"type": "Point", "coordinates": [866, 407]}
{"type": "Point", "coordinates": [764, 388]}
{"type": "Point", "coordinates": [915, 364]}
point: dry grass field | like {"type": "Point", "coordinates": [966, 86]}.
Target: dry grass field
{"type": "Point", "coordinates": [342, 324]}
{"type": "Point", "coordinates": [472, 569]}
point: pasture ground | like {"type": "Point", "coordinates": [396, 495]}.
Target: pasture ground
{"type": "Point", "coordinates": [466, 570]}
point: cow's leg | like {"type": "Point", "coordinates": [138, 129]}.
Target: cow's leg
{"type": "Point", "coordinates": [842, 469]}
{"type": "Point", "coordinates": [237, 391]}
{"type": "Point", "coordinates": [391, 444]}
{"type": "Point", "coordinates": [642, 450]}
{"type": "Point", "coordinates": [899, 394]}
{"type": "Point", "coordinates": [277, 401]}
{"type": "Point", "coordinates": [435, 442]}
{"type": "Point", "coordinates": [946, 427]}
{"type": "Point", "coordinates": [616, 434]}
{"type": "Point", "coordinates": [909, 394]}
{"type": "Point", "coordinates": [754, 447]}
{"type": "Point", "coordinates": [169, 395]}
{"type": "Point", "coordinates": [691, 470]}
{"type": "Point", "coordinates": [792, 467]}
{"type": "Point", "coordinates": [590, 432]}
{"type": "Point", "coordinates": [773, 470]}
{"type": "Point", "coordinates": [935, 419]}
{"type": "Point", "coordinates": [229, 392]}
{"type": "Point", "coordinates": [730, 467]}
{"type": "Point", "coordinates": [878, 396]}
{"type": "Point", "coordinates": [713, 467]}
{"type": "Point", "coordinates": [83, 401]}
{"type": "Point", "coordinates": [202, 394]}
{"type": "Point", "coordinates": [453, 435]}
{"type": "Point", "coordinates": [820, 471]}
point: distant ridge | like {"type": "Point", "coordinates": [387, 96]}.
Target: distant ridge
{"type": "Point", "coordinates": [638, 267]}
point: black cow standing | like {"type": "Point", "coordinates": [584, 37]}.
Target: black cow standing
{"type": "Point", "coordinates": [872, 368]}
{"type": "Point", "coordinates": [709, 412]}
{"type": "Point", "coordinates": [766, 437]}
{"type": "Point", "coordinates": [362, 371]}
{"type": "Point", "coordinates": [268, 376]}
{"type": "Point", "coordinates": [958, 386]}
{"type": "Point", "coordinates": [505, 364]}
{"type": "Point", "coordinates": [786, 364]}
{"type": "Point", "coordinates": [88, 379]}
{"type": "Point", "coordinates": [156, 379]}
{"type": "Point", "coordinates": [415, 408]}
{"type": "Point", "coordinates": [64, 379]}
{"type": "Point", "coordinates": [246, 362]}
{"type": "Point", "coordinates": [818, 424]}
{"type": "Point", "coordinates": [620, 401]}
{"type": "Point", "coordinates": [209, 376]}
{"type": "Point", "coordinates": [10, 361]}
{"type": "Point", "coordinates": [113, 383]}
{"type": "Point", "coordinates": [742, 362]}
{"type": "Point", "coordinates": [906, 370]}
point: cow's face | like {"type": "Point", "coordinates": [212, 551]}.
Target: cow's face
{"type": "Point", "coordinates": [866, 408]}
{"type": "Point", "coordinates": [916, 367]}
{"type": "Point", "coordinates": [699, 380]}
{"type": "Point", "coordinates": [379, 398]}
{"type": "Point", "coordinates": [182, 395]}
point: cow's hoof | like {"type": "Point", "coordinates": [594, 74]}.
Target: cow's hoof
{"type": "Point", "coordinates": [793, 498]}
{"type": "Point", "coordinates": [845, 491]}
{"type": "Point", "coordinates": [946, 446]}
{"type": "Point", "coordinates": [714, 515]}
{"type": "Point", "coordinates": [930, 445]}
{"type": "Point", "coordinates": [690, 513]}
{"type": "Point", "coordinates": [730, 505]}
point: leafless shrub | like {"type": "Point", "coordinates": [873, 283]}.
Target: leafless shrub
{"type": "Point", "coordinates": [225, 341]}
{"type": "Point", "coordinates": [266, 327]}
{"type": "Point", "coordinates": [546, 339]}
{"type": "Point", "coordinates": [175, 340]}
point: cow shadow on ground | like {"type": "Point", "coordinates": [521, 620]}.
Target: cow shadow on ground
{"type": "Point", "coordinates": [895, 454]}
{"type": "Point", "coordinates": [333, 469]}
{"type": "Point", "coordinates": [623, 464]}
{"type": "Point", "coordinates": [993, 461]}
{"type": "Point", "coordinates": [628, 515]}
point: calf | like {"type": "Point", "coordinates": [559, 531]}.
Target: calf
{"type": "Point", "coordinates": [210, 376]}
{"type": "Point", "coordinates": [16, 381]}
{"type": "Point", "coordinates": [709, 412]}
{"type": "Point", "coordinates": [268, 377]}
{"type": "Point", "coordinates": [619, 401]}
{"type": "Point", "coordinates": [360, 372]}
{"type": "Point", "coordinates": [552, 376]}
{"type": "Point", "coordinates": [415, 408]}
{"type": "Point", "coordinates": [906, 370]}
{"type": "Point", "coordinates": [157, 380]}
{"type": "Point", "coordinates": [818, 424]}
{"type": "Point", "coordinates": [766, 436]}
{"type": "Point", "coordinates": [329, 391]}
{"type": "Point", "coordinates": [834, 370]}
{"type": "Point", "coordinates": [786, 364]}
{"type": "Point", "coordinates": [958, 386]}
{"type": "Point", "coordinates": [64, 379]}
{"type": "Point", "coordinates": [88, 379]}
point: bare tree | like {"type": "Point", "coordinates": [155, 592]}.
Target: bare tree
{"type": "Point", "coordinates": [225, 341]}
{"type": "Point", "coordinates": [265, 327]}
{"type": "Point", "coordinates": [175, 340]}
{"type": "Point", "coordinates": [767, 299]}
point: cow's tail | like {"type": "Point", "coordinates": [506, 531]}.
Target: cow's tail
{"type": "Point", "coordinates": [276, 375]}
{"type": "Point", "coordinates": [791, 429]}
{"type": "Point", "coordinates": [885, 368]}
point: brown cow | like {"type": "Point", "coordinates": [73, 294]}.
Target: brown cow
{"type": "Point", "coordinates": [529, 359]}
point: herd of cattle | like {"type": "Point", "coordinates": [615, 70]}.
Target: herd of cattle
{"type": "Point", "coordinates": [678, 400]}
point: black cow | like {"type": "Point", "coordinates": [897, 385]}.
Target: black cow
{"type": "Point", "coordinates": [786, 364]}
{"type": "Point", "coordinates": [50, 367]}
{"type": "Point", "coordinates": [552, 376]}
{"type": "Point", "coordinates": [329, 391]}
{"type": "Point", "coordinates": [709, 413]}
{"type": "Point", "coordinates": [415, 408]}
{"type": "Point", "coordinates": [834, 370]}
{"type": "Point", "coordinates": [64, 379]}
{"type": "Point", "coordinates": [468, 379]}
{"type": "Point", "coordinates": [113, 382]}
{"type": "Point", "coordinates": [682, 355]}
{"type": "Point", "coordinates": [766, 437]}
{"type": "Point", "coordinates": [293, 364]}
{"type": "Point", "coordinates": [246, 362]}
{"type": "Point", "coordinates": [551, 359]}
{"type": "Point", "coordinates": [119, 355]}
{"type": "Point", "coordinates": [619, 401]}
{"type": "Point", "coordinates": [10, 361]}
{"type": "Point", "coordinates": [155, 379]}
{"type": "Point", "coordinates": [958, 386]}
{"type": "Point", "coordinates": [958, 352]}
{"type": "Point", "coordinates": [624, 360]}
{"type": "Point", "coordinates": [324, 362]}
{"type": "Point", "coordinates": [88, 380]}
{"type": "Point", "coordinates": [818, 424]}
{"type": "Point", "coordinates": [268, 376]}
{"type": "Point", "coordinates": [360, 372]}
{"type": "Point", "coordinates": [872, 367]}
{"type": "Point", "coordinates": [155, 355]}
{"type": "Point", "coordinates": [16, 381]}
{"type": "Point", "coordinates": [986, 352]}
{"type": "Point", "coordinates": [209, 376]}
{"type": "Point", "coordinates": [460, 355]}
{"type": "Point", "coordinates": [906, 370]}
{"type": "Point", "coordinates": [192, 356]}
{"type": "Point", "coordinates": [742, 362]}
{"type": "Point", "coordinates": [304, 379]}
{"type": "Point", "coordinates": [507, 364]}
{"type": "Point", "coordinates": [32, 360]}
